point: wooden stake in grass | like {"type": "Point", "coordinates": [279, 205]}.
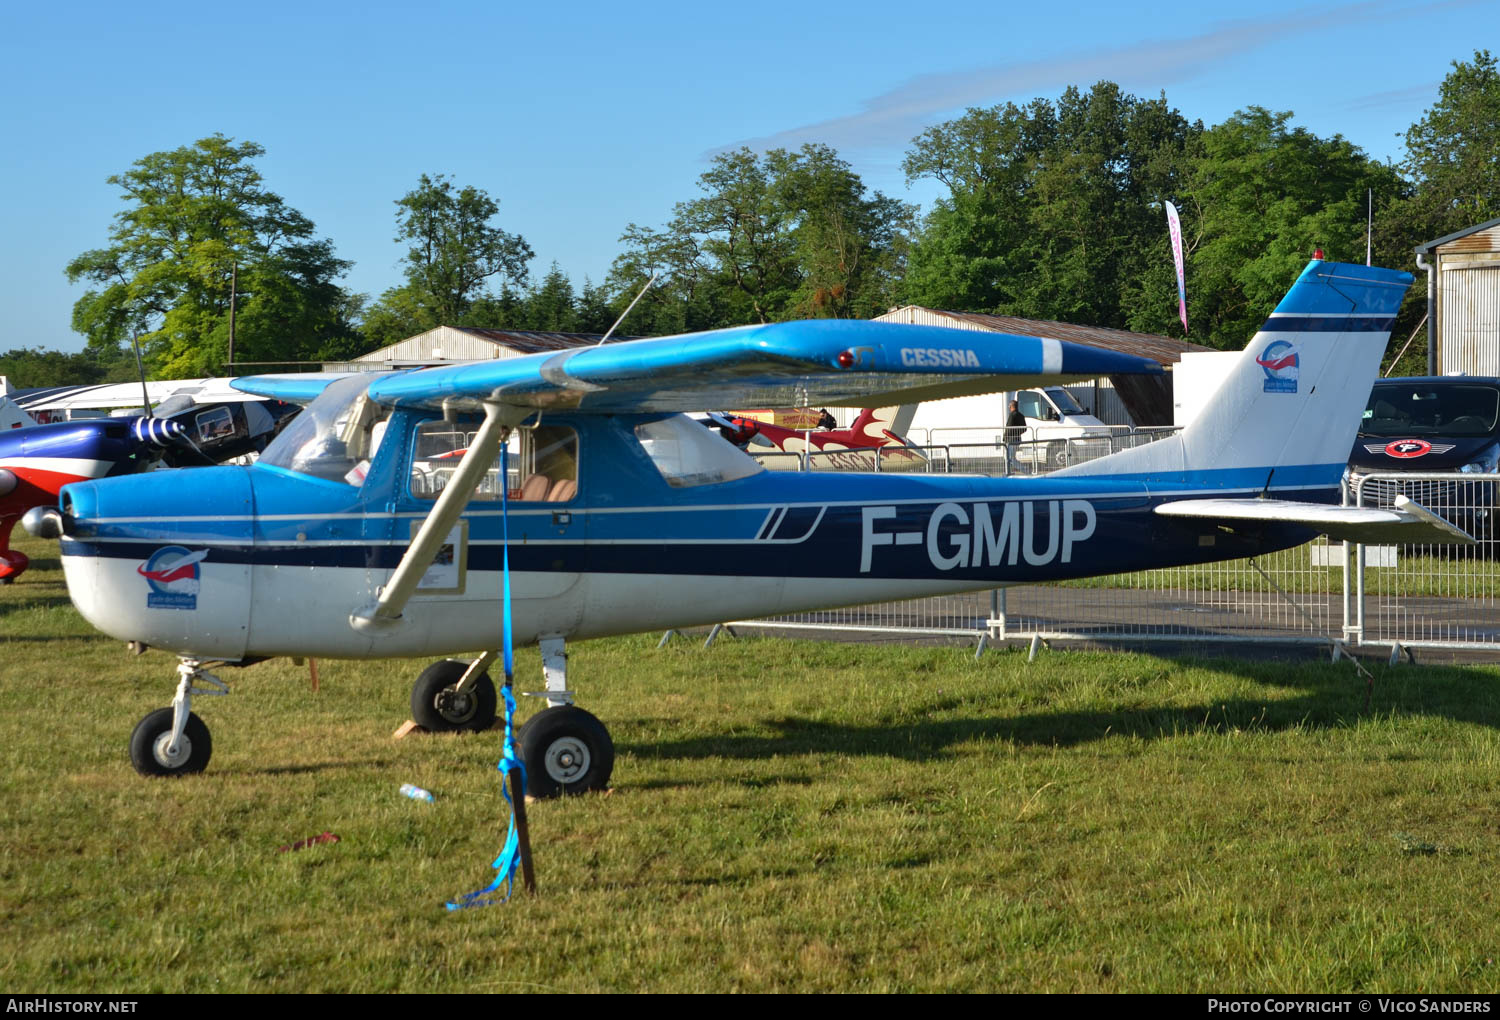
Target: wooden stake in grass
{"type": "Point", "coordinates": [523, 834]}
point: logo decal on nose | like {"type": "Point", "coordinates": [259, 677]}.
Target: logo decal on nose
{"type": "Point", "coordinates": [173, 576]}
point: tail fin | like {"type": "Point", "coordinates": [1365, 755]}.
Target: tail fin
{"type": "Point", "coordinates": [1286, 415]}
{"type": "Point", "coordinates": [883, 423]}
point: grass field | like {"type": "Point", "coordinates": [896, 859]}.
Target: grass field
{"type": "Point", "coordinates": [786, 815]}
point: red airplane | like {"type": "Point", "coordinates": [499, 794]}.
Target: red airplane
{"type": "Point", "coordinates": [875, 428]}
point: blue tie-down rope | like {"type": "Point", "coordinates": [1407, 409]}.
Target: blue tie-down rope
{"type": "Point", "coordinates": [510, 854]}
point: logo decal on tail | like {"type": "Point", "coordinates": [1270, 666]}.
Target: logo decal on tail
{"type": "Point", "coordinates": [1279, 360]}
{"type": "Point", "coordinates": [172, 573]}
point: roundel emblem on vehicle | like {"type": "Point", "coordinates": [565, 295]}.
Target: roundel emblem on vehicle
{"type": "Point", "coordinates": [1407, 448]}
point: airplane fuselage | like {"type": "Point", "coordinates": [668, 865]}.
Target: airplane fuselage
{"type": "Point", "coordinates": [264, 561]}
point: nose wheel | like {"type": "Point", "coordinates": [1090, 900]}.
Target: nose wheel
{"type": "Point", "coordinates": [154, 753]}
{"type": "Point", "coordinates": [173, 741]}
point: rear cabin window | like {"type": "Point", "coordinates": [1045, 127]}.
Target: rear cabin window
{"type": "Point", "coordinates": [687, 454]}
{"type": "Point", "coordinates": [542, 462]}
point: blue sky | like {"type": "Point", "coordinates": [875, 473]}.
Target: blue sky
{"type": "Point", "coordinates": [581, 118]}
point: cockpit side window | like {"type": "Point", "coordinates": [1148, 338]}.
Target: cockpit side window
{"type": "Point", "coordinates": [542, 462]}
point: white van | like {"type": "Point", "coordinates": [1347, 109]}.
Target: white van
{"type": "Point", "coordinates": [1053, 419]}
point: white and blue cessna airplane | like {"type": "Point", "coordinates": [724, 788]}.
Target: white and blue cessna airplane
{"type": "Point", "coordinates": [375, 525]}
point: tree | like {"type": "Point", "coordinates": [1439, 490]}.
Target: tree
{"type": "Point", "coordinates": [779, 236]}
{"type": "Point", "coordinates": [1262, 197]}
{"type": "Point", "coordinates": [26, 368]}
{"type": "Point", "coordinates": [200, 232]}
{"type": "Point", "coordinates": [1453, 152]}
{"type": "Point", "coordinates": [549, 306]}
{"type": "Point", "coordinates": [1049, 205]}
{"type": "Point", "coordinates": [452, 252]}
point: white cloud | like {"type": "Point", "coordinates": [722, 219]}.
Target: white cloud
{"type": "Point", "coordinates": [895, 117]}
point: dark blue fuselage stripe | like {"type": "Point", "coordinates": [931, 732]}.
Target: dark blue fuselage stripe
{"type": "Point", "coordinates": [1127, 536]}
{"type": "Point", "coordinates": [1329, 324]}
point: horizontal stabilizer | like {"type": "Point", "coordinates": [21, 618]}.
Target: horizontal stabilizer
{"type": "Point", "coordinates": [1408, 523]}
{"type": "Point", "coordinates": [296, 388]}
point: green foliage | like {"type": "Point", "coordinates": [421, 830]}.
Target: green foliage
{"type": "Point", "coordinates": [199, 227]}
{"type": "Point", "coordinates": [27, 368]}
{"type": "Point", "coordinates": [550, 307]}
{"type": "Point", "coordinates": [784, 235]}
{"type": "Point", "coordinates": [453, 250]}
{"type": "Point", "coordinates": [1263, 196]}
{"type": "Point", "coordinates": [1454, 150]}
{"type": "Point", "coordinates": [1054, 211]}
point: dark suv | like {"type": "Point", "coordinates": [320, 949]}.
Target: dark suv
{"type": "Point", "coordinates": [1449, 424]}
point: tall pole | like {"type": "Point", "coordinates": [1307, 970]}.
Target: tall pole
{"type": "Point", "coordinates": [140, 368]}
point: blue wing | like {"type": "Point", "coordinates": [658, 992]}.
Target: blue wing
{"type": "Point", "coordinates": [827, 362]}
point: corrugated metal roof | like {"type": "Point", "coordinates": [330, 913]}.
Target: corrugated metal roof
{"type": "Point", "coordinates": [470, 343]}
{"type": "Point", "coordinates": [1428, 246]}
{"type": "Point", "coordinates": [1162, 349]}
{"type": "Point", "coordinates": [532, 341]}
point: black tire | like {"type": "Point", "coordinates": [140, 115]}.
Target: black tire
{"type": "Point", "coordinates": [148, 746]}
{"type": "Point", "coordinates": [566, 751]}
{"type": "Point", "coordinates": [1057, 454]}
{"type": "Point", "coordinates": [438, 708]}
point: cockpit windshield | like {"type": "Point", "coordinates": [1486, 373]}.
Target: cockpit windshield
{"type": "Point", "coordinates": [335, 436]}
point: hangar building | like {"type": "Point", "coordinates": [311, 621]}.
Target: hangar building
{"type": "Point", "coordinates": [1463, 300]}
{"type": "Point", "coordinates": [1119, 400]}
{"type": "Point", "coordinates": [463, 343]}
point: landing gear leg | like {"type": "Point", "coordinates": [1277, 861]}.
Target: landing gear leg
{"type": "Point", "coordinates": [173, 741]}
{"type": "Point", "coordinates": [566, 750]}
{"type": "Point", "coordinates": [12, 562]}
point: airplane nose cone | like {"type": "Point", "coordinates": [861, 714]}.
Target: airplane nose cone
{"type": "Point", "coordinates": [43, 522]}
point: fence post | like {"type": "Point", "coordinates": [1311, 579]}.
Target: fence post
{"type": "Point", "coordinates": [996, 623]}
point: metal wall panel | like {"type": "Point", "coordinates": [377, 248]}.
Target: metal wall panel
{"type": "Point", "coordinates": [1469, 318]}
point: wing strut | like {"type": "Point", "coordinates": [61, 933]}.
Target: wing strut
{"type": "Point", "coordinates": [386, 611]}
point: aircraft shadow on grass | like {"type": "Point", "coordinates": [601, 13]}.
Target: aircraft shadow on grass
{"type": "Point", "coordinates": [1336, 701]}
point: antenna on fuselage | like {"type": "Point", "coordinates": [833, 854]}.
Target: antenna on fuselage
{"type": "Point", "coordinates": [626, 312]}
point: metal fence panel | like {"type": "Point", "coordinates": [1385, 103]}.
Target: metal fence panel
{"type": "Point", "coordinates": [1407, 596]}
{"type": "Point", "coordinates": [1292, 595]}
{"type": "Point", "coordinates": [1427, 595]}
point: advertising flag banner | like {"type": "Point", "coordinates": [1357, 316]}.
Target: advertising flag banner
{"type": "Point", "coordinates": [1175, 226]}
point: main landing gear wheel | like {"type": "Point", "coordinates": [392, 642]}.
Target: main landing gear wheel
{"type": "Point", "coordinates": [437, 705]}
{"type": "Point", "coordinates": [151, 749]}
{"type": "Point", "coordinates": [566, 750]}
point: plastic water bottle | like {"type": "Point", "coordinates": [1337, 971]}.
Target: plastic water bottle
{"type": "Point", "coordinates": [415, 792]}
